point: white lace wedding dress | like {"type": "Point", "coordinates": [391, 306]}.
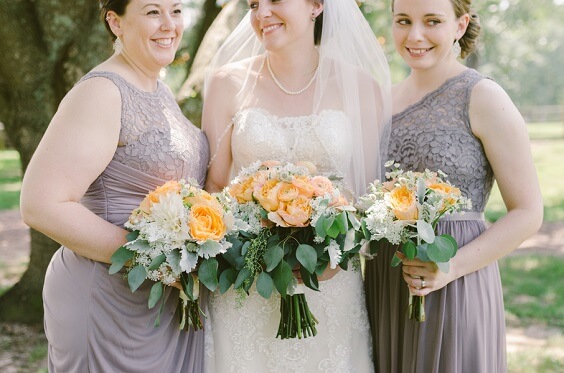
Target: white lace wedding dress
{"type": "Point", "coordinates": [240, 336]}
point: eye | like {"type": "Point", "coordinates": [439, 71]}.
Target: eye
{"type": "Point", "coordinates": [153, 13]}
{"type": "Point", "coordinates": [403, 21]}
{"type": "Point", "coordinates": [433, 22]}
{"type": "Point", "coordinates": [253, 5]}
{"type": "Point", "coordinates": [177, 11]}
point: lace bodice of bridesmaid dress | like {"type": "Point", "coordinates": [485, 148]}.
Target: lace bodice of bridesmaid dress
{"type": "Point", "coordinates": [323, 139]}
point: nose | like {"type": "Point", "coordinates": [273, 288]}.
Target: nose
{"type": "Point", "coordinates": [263, 10]}
{"type": "Point", "coordinates": [415, 32]}
{"type": "Point", "coordinates": [168, 22]}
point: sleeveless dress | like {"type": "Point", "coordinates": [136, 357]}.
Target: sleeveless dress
{"type": "Point", "coordinates": [241, 334]}
{"type": "Point", "coordinates": [93, 322]}
{"type": "Point", "coordinates": [465, 326]}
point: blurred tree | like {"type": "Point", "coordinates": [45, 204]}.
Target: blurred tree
{"type": "Point", "coordinates": [46, 47]}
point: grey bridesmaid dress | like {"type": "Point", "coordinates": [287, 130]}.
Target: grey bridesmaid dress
{"type": "Point", "coordinates": [465, 326]}
{"type": "Point", "coordinates": [93, 322]}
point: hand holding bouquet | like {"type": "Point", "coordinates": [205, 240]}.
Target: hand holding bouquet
{"type": "Point", "coordinates": [293, 220]}
{"type": "Point", "coordinates": [177, 229]}
{"type": "Point", "coordinates": [405, 210]}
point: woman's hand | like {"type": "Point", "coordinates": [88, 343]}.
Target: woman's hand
{"type": "Point", "coordinates": [326, 275]}
{"type": "Point", "coordinates": [424, 277]}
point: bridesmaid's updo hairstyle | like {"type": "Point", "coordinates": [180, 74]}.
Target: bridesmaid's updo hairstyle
{"type": "Point", "coordinates": [117, 6]}
{"type": "Point", "coordinates": [468, 40]}
{"type": "Point", "coordinates": [318, 27]}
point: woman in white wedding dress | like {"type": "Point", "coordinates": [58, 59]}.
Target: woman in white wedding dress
{"type": "Point", "coordinates": [298, 80]}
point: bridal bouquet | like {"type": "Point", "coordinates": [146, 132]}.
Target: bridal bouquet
{"type": "Point", "coordinates": [177, 229]}
{"type": "Point", "coordinates": [405, 210]}
{"type": "Point", "coordinates": [293, 220]}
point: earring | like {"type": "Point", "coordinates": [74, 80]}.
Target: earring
{"type": "Point", "coordinates": [118, 46]}
{"type": "Point", "coordinates": [456, 49]}
{"type": "Point", "coordinates": [312, 17]}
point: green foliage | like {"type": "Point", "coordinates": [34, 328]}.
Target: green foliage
{"type": "Point", "coordinates": [10, 179]}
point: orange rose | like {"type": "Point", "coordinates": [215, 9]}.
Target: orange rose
{"type": "Point", "coordinates": [321, 186]}
{"type": "Point", "coordinates": [155, 195]}
{"type": "Point", "coordinates": [267, 194]}
{"type": "Point", "coordinates": [304, 186]}
{"type": "Point", "coordinates": [295, 213]}
{"type": "Point", "coordinates": [206, 223]}
{"type": "Point", "coordinates": [444, 190]}
{"type": "Point", "coordinates": [403, 203]}
{"type": "Point", "coordinates": [287, 192]}
{"type": "Point", "coordinates": [243, 191]}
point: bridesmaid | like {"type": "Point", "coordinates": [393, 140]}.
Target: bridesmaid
{"type": "Point", "coordinates": [116, 135]}
{"type": "Point", "coordinates": [452, 118]}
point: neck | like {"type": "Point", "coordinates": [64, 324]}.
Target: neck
{"type": "Point", "coordinates": [293, 74]}
{"type": "Point", "coordinates": [146, 78]}
{"type": "Point", "coordinates": [430, 79]}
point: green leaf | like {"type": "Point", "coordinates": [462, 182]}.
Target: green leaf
{"type": "Point", "coordinates": [282, 276]}
{"type": "Point", "coordinates": [136, 276]}
{"type": "Point", "coordinates": [395, 260]}
{"type": "Point", "coordinates": [272, 257]}
{"type": "Point", "coordinates": [155, 294]}
{"type": "Point", "coordinates": [226, 279]}
{"type": "Point", "coordinates": [444, 267]}
{"type": "Point", "coordinates": [321, 267]}
{"type": "Point", "coordinates": [132, 236]}
{"type": "Point", "coordinates": [140, 246]}
{"type": "Point", "coordinates": [422, 252]}
{"type": "Point", "coordinates": [441, 250]}
{"type": "Point", "coordinates": [207, 273]}
{"type": "Point", "coordinates": [156, 262]}
{"type": "Point", "coordinates": [319, 227]}
{"type": "Point", "coordinates": [265, 285]}
{"type": "Point", "coordinates": [233, 255]}
{"type": "Point", "coordinates": [327, 223]}
{"type": "Point", "coordinates": [453, 241]}
{"type": "Point", "coordinates": [425, 231]}
{"type": "Point", "coordinates": [245, 248]}
{"type": "Point", "coordinates": [342, 222]}
{"type": "Point", "coordinates": [187, 282]}
{"type": "Point", "coordinates": [365, 230]}
{"type": "Point", "coordinates": [309, 280]}
{"type": "Point", "coordinates": [355, 223]}
{"type": "Point", "coordinates": [331, 227]}
{"type": "Point", "coordinates": [244, 274]}
{"type": "Point", "coordinates": [119, 258]}
{"type": "Point", "coordinates": [307, 256]}
{"type": "Point", "coordinates": [409, 249]}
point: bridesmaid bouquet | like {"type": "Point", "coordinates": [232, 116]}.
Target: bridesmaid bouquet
{"type": "Point", "coordinates": [293, 220]}
{"type": "Point", "coordinates": [177, 229]}
{"type": "Point", "coordinates": [405, 210]}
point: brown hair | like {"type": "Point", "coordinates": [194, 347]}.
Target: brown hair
{"type": "Point", "coordinates": [117, 6]}
{"type": "Point", "coordinates": [318, 28]}
{"type": "Point", "coordinates": [470, 37]}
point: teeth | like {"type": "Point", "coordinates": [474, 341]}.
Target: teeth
{"type": "Point", "coordinates": [418, 51]}
{"type": "Point", "coordinates": [269, 28]}
{"type": "Point", "coordinates": [164, 42]}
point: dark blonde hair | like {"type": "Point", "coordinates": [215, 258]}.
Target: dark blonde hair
{"type": "Point", "coordinates": [317, 30]}
{"type": "Point", "coordinates": [117, 6]}
{"type": "Point", "coordinates": [470, 37]}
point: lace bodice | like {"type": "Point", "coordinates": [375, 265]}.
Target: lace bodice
{"type": "Point", "coordinates": [323, 139]}
{"type": "Point", "coordinates": [155, 137]}
{"type": "Point", "coordinates": [435, 133]}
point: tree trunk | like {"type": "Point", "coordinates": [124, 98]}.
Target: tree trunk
{"type": "Point", "coordinates": [46, 47]}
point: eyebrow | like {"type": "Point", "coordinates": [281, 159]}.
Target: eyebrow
{"type": "Point", "coordinates": [158, 5]}
{"type": "Point", "coordinates": [426, 15]}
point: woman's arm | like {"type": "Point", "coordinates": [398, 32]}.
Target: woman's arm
{"type": "Point", "coordinates": [217, 115]}
{"type": "Point", "coordinates": [77, 146]}
{"type": "Point", "coordinates": [498, 124]}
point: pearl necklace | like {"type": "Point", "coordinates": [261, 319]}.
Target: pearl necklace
{"type": "Point", "coordinates": [286, 91]}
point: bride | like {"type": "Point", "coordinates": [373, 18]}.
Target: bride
{"type": "Point", "coordinates": [298, 80]}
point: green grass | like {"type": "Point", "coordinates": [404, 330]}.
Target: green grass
{"type": "Point", "coordinates": [532, 289]}
{"type": "Point", "coordinates": [10, 179]}
{"type": "Point", "coordinates": [548, 155]}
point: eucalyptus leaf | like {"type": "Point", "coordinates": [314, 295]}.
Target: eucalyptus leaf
{"type": "Point", "coordinates": [425, 231]}
{"type": "Point", "coordinates": [395, 260]}
{"type": "Point", "coordinates": [156, 262]}
{"type": "Point", "coordinates": [342, 222]}
{"type": "Point", "coordinates": [365, 230]}
{"type": "Point", "coordinates": [355, 223]}
{"type": "Point", "coordinates": [319, 227]}
{"type": "Point", "coordinates": [441, 250]}
{"type": "Point", "coordinates": [307, 256]}
{"type": "Point", "coordinates": [265, 285]}
{"type": "Point", "coordinates": [187, 282]}
{"type": "Point", "coordinates": [136, 276]}
{"type": "Point", "coordinates": [453, 241]}
{"type": "Point", "coordinates": [321, 267]}
{"type": "Point", "coordinates": [444, 267]}
{"type": "Point", "coordinates": [226, 279]}
{"type": "Point", "coordinates": [155, 294]}
{"type": "Point", "coordinates": [309, 280]}
{"type": "Point", "coordinates": [282, 276]}
{"type": "Point", "coordinates": [327, 224]}
{"type": "Point", "coordinates": [119, 258]}
{"type": "Point", "coordinates": [245, 248]}
{"type": "Point", "coordinates": [272, 257]}
{"type": "Point", "coordinates": [409, 249]}
{"type": "Point", "coordinates": [244, 274]}
{"type": "Point", "coordinates": [233, 256]}
{"type": "Point", "coordinates": [207, 273]}
{"type": "Point", "coordinates": [132, 236]}
{"type": "Point", "coordinates": [422, 252]}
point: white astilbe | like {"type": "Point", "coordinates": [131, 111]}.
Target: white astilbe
{"type": "Point", "coordinates": [247, 217]}
{"type": "Point", "coordinates": [334, 254]}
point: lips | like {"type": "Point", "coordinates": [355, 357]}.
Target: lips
{"type": "Point", "coordinates": [418, 51]}
{"type": "Point", "coordinates": [269, 28]}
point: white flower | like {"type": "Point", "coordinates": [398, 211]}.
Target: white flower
{"type": "Point", "coordinates": [170, 215]}
{"type": "Point", "coordinates": [334, 254]}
